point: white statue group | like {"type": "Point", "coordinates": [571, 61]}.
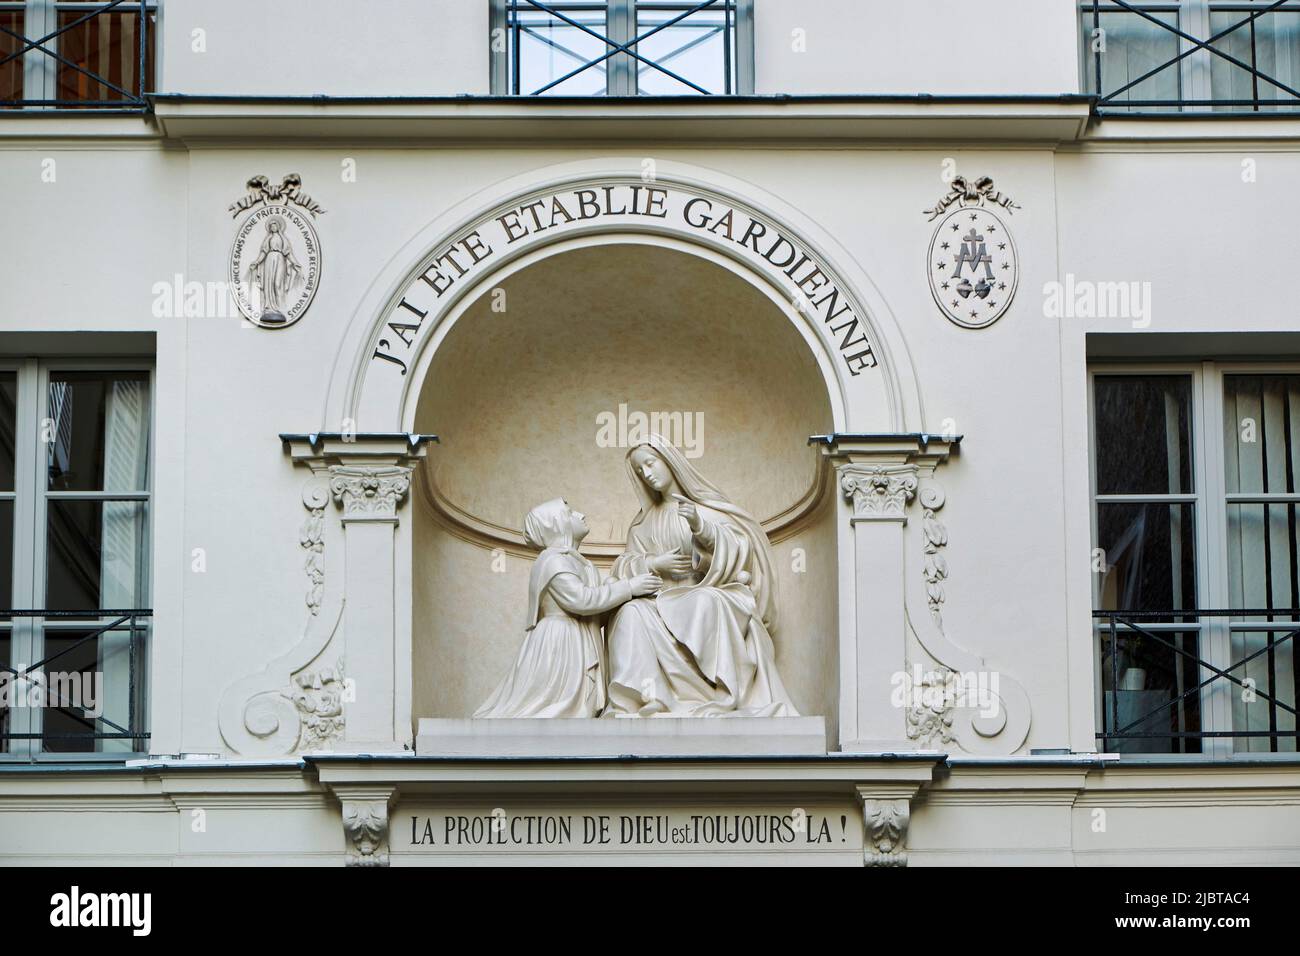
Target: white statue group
{"type": "Point", "coordinates": [688, 609]}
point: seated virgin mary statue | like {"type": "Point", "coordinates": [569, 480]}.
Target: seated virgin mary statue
{"type": "Point", "coordinates": [702, 646]}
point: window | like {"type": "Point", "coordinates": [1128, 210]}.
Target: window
{"type": "Point", "coordinates": [1197, 560]}
{"type": "Point", "coordinates": [622, 47]}
{"type": "Point", "coordinates": [1226, 55]}
{"type": "Point", "coordinates": [75, 466]}
{"type": "Point", "coordinates": [76, 53]}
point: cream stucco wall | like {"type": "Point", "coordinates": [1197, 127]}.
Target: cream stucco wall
{"type": "Point", "coordinates": [1017, 500]}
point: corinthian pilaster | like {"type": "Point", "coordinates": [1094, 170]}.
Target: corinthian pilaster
{"type": "Point", "coordinates": [369, 478]}
{"type": "Point", "coordinates": [879, 476]}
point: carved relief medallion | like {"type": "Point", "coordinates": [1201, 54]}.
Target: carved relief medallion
{"type": "Point", "coordinates": [275, 259]}
{"type": "Point", "coordinates": [972, 264]}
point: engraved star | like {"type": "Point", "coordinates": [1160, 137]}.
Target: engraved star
{"type": "Point", "coordinates": [944, 287]}
{"type": "Point", "coordinates": [1002, 285]}
{"type": "Point", "coordinates": [974, 315]}
{"type": "Point", "coordinates": [954, 227]}
{"type": "Point", "coordinates": [1006, 265]}
{"type": "Point", "coordinates": [944, 247]}
{"type": "Point", "coordinates": [993, 305]}
{"type": "Point", "coordinates": [954, 303]}
{"type": "Point", "coordinates": [1001, 245]}
{"type": "Point", "coordinates": [938, 265]}
{"type": "Point", "coordinates": [973, 217]}
{"type": "Point", "coordinates": [992, 229]}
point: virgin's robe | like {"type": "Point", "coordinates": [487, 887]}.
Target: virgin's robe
{"type": "Point", "coordinates": [699, 648]}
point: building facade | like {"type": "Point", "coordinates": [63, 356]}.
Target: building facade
{"type": "Point", "coordinates": [982, 311]}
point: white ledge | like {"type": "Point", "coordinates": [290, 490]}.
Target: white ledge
{"type": "Point", "coordinates": [515, 121]}
{"type": "Point", "coordinates": [612, 737]}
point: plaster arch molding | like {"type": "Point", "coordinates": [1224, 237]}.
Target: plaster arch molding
{"type": "Point", "coordinates": [429, 284]}
{"type": "Point", "coordinates": [876, 393]}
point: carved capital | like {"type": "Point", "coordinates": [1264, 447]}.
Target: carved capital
{"type": "Point", "coordinates": [880, 491]}
{"type": "Point", "coordinates": [365, 824]}
{"type": "Point", "coordinates": [885, 825]}
{"type": "Point", "coordinates": [369, 492]}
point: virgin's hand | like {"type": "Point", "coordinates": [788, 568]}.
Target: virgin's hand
{"type": "Point", "coordinates": [686, 508]}
{"type": "Point", "coordinates": [671, 564]}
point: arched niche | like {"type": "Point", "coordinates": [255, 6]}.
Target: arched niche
{"type": "Point", "coordinates": [525, 390]}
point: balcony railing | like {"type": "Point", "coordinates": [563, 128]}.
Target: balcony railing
{"type": "Point", "coordinates": [621, 47]}
{"type": "Point", "coordinates": [1240, 57]}
{"type": "Point", "coordinates": [76, 55]}
{"type": "Point", "coordinates": [114, 641]}
{"type": "Point", "coordinates": [1175, 715]}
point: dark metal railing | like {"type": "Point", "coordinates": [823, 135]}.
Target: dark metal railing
{"type": "Point", "coordinates": [134, 622]}
{"type": "Point", "coordinates": [90, 88]}
{"type": "Point", "coordinates": [1138, 626]}
{"type": "Point", "coordinates": [518, 27]}
{"type": "Point", "coordinates": [1114, 100]}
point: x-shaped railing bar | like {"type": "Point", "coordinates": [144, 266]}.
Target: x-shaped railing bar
{"type": "Point", "coordinates": [23, 674]}
{"type": "Point", "coordinates": [620, 47]}
{"type": "Point", "coordinates": [708, 34]}
{"type": "Point", "coordinates": [30, 44]}
{"type": "Point", "coordinates": [1197, 45]}
{"type": "Point", "coordinates": [555, 45]}
{"type": "Point", "coordinates": [1116, 619]}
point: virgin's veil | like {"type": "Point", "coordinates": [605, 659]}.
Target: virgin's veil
{"type": "Point", "coordinates": [703, 492]}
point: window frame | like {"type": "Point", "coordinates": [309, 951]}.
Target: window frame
{"type": "Point", "coordinates": [1193, 17]}
{"type": "Point", "coordinates": [40, 90]}
{"type": "Point", "coordinates": [621, 27]}
{"type": "Point", "coordinates": [1210, 502]}
{"type": "Point", "coordinates": [31, 511]}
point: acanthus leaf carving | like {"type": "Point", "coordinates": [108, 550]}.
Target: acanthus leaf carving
{"type": "Point", "coordinates": [369, 492]}
{"type": "Point", "coordinates": [879, 491]}
{"type": "Point", "coordinates": [365, 823]}
{"type": "Point", "coordinates": [885, 837]}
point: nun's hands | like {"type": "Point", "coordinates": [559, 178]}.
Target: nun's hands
{"type": "Point", "coordinates": [646, 584]}
{"type": "Point", "coordinates": [671, 564]}
{"type": "Point", "coordinates": [686, 508]}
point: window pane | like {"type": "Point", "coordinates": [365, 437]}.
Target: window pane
{"type": "Point", "coordinates": [99, 423]}
{"type": "Point", "coordinates": [1262, 573]}
{"type": "Point", "coordinates": [1272, 43]}
{"type": "Point", "coordinates": [106, 45]}
{"type": "Point", "coordinates": [1134, 46]}
{"type": "Point", "coordinates": [693, 48]}
{"type": "Point", "coordinates": [6, 658]}
{"type": "Point", "coordinates": [1151, 676]}
{"type": "Point", "coordinates": [6, 554]}
{"type": "Point", "coordinates": [1143, 427]}
{"type": "Point", "coordinates": [95, 555]}
{"type": "Point", "coordinates": [11, 72]}
{"type": "Point", "coordinates": [1150, 556]}
{"type": "Point", "coordinates": [88, 685]}
{"type": "Point", "coordinates": [1261, 433]}
{"type": "Point", "coordinates": [550, 48]}
{"type": "Point", "coordinates": [8, 418]}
